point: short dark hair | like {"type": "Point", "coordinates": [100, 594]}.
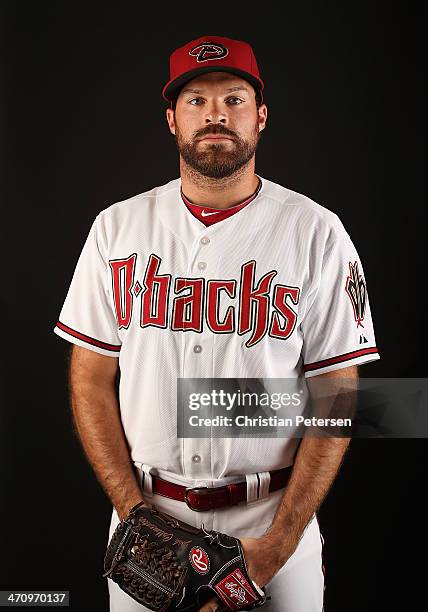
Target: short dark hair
{"type": "Point", "coordinates": [258, 100]}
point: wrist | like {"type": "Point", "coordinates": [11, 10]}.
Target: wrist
{"type": "Point", "coordinates": [123, 510]}
{"type": "Point", "coordinates": [279, 548]}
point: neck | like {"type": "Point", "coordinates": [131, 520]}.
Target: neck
{"type": "Point", "coordinates": [218, 193]}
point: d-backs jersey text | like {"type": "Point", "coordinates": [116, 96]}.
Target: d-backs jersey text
{"type": "Point", "coordinates": [277, 290]}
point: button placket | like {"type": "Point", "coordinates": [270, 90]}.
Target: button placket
{"type": "Point", "coordinates": [196, 452]}
{"type": "Point", "coordinates": [204, 241]}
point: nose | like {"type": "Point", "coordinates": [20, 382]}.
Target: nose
{"type": "Point", "coordinates": [216, 113]}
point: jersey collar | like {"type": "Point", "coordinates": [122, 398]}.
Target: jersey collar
{"type": "Point", "coordinates": [209, 215]}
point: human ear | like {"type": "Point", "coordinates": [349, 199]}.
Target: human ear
{"type": "Point", "coordinates": [170, 117]}
{"type": "Point", "coordinates": [262, 113]}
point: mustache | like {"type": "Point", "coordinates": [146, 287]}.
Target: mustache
{"type": "Point", "coordinates": [214, 130]}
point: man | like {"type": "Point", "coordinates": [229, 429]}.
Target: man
{"type": "Point", "coordinates": [218, 274]}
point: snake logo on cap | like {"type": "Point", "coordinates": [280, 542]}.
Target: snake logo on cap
{"type": "Point", "coordinates": [209, 51]}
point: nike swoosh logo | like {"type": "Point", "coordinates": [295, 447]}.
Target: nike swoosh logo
{"type": "Point", "coordinates": [204, 213]}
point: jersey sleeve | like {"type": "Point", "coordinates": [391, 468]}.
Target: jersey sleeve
{"type": "Point", "coordinates": [87, 316]}
{"type": "Point", "coordinates": [337, 325]}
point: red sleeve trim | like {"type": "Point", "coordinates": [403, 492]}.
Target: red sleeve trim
{"type": "Point", "coordinates": [88, 339]}
{"type": "Point", "coordinates": [339, 359]}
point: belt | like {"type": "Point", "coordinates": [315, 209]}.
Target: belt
{"type": "Point", "coordinates": [202, 499]}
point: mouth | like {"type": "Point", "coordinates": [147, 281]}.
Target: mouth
{"type": "Point", "coordinates": [212, 137]}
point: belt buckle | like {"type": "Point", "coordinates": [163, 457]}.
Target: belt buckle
{"type": "Point", "coordinates": [186, 499]}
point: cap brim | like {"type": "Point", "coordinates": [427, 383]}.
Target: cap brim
{"type": "Point", "coordinates": [173, 87]}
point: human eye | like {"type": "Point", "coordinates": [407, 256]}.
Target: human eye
{"type": "Point", "coordinates": [195, 101]}
{"type": "Point", "coordinates": [235, 100]}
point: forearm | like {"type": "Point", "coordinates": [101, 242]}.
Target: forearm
{"type": "Point", "coordinates": [316, 465]}
{"type": "Point", "coordinates": [96, 417]}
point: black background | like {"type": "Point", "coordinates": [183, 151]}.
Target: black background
{"type": "Point", "coordinates": [84, 126]}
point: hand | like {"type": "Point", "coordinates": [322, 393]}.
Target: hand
{"type": "Point", "coordinates": [263, 561]}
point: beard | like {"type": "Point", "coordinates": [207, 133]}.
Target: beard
{"type": "Point", "coordinates": [217, 160]}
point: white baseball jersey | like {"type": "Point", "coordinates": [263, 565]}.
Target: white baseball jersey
{"type": "Point", "coordinates": [274, 291]}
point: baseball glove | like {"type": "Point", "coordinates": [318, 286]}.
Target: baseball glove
{"type": "Point", "coordinates": [166, 564]}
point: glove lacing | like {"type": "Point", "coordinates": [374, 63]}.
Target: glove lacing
{"type": "Point", "coordinates": [214, 539]}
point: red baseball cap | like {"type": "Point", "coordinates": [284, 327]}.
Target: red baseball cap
{"type": "Point", "coordinates": [211, 54]}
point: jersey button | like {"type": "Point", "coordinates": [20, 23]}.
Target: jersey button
{"type": "Point", "coordinates": [205, 240]}
{"type": "Point", "coordinates": [197, 348]}
{"type": "Point", "coordinates": [202, 265]}
{"type": "Point", "coordinates": [196, 458]}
